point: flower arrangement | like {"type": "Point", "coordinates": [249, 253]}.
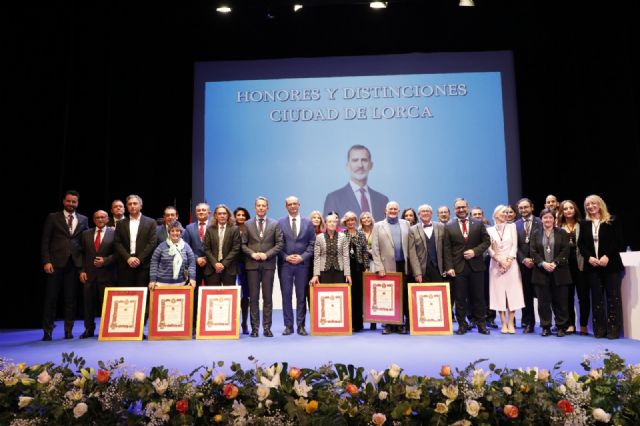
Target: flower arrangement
{"type": "Point", "coordinates": [71, 393]}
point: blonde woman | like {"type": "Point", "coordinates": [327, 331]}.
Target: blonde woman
{"type": "Point", "coordinates": [331, 255]}
{"type": "Point", "coordinates": [366, 226]}
{"type": "Point", "coordinates": [505, 284]}
{"type": "Point", "coordinates": [600, 243]}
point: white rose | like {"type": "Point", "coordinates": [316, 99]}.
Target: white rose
{"type": "Point", "coordinates": [600, 415]}
{"type": "Point", "coordinates": [383, 395]}
{"type": "Point", "coordinates": [44, 377]}
{"type": "Point", "coordinates": [412, 392]}
{"type": "Point", "coordinates": [139, 376]}
{"type": "Point", "coordinates": [473, 407]}
{"type": "Point", "coordinates": [595, 374]}
{"type": "Point", "coordinates": [394, 371]}
{"type": "Point", "coordinates": [562, 389]}
{"type": "Point", "coordinates": [160, 385]}
{"type": "Point", "coordinates": [23, 401]}
{"type": "Point", "coordinates": [220, 378]}
{"type": "Point", "coordinates": [80, 409]}
{"type": "Point", "coordinates": [450, 391]}
{"type": "Point", "coordinates": [268, 403]}
{"type": "Point", "coordinates": [262, 392]}
{"type": "Point", "coordinates": [506, 390]}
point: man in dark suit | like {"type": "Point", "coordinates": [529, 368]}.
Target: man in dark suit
{"type": "Point", "coordinates": [61, 258]}
{"type": "Point", "coordinates": [117, 212]}
{"type": "Point", "coordinates": [194, 236]}
{"type": "Point", "coordinates": [465, 242]}
{"type": "Point", "coordinates": [357, 196]}
{"type": "Point", "coordinates": [134, 242]}
{"type": "Point", "coordinates": [98, 260]}
{"type": "Point", "coordinates": [293, 264]}
{"type": "Point", "coordinates": [222, 245]}
{"type": "Point", "coordinates": [426, 240]}
{"type": "Point", "coordinates": [169, 215]}
{"type": "Point", "coordinates": [526, 225]}
{"type": "Point", "coordinates": [262, 241]}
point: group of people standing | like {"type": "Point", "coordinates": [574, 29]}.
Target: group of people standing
{"type": "Point", "coordinates": [556, 254]}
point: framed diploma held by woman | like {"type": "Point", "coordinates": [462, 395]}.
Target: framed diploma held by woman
{"type": "Point", "coordinates": [383, 298]}
{"type": "Point", "coordinates": [430, 309]}
{"type": "Point", "coordinates": [123, 312]}
{"type": "Point", "coordinates": [171, 313]}
{"type": "Point", "coordinates": [218, 312]}
{"type": "Point", "coordinates": [330, 309]}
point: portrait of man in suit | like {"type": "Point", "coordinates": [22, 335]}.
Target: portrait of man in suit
{"type": "Point", "coordinates": [357, 196]}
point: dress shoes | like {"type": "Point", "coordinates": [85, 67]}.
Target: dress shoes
{"type": "Point", "coordinates": [492, 324]}
{"type": "Point", "coordinates": [561, 332]}
{"type": "Point", "coordinates": [529, 329]}
{"type": "Point", "coordinates": [47, 336]}
{"type": "Point", "coordinates": [267, 333]}
{"type": "Point", "coordinates": [373, 326]}
{"type": "Point", "coordinates": [546, 331]}
{"type": "Point", "coordinates": [245, 329]}
{"type": "Point", "coordinates": [68, 335]}
{"type": "Point", "coordinates": [87, 334]}
{"type": "Point", "coordinates": [287, 331]}
{"type": "Point", "coordinates": [403, 330]}
{"type": "Point", "coordinates": [302, 331]}
{"type": "Point", "coordinates": [461, 330]}
{"type": "Point", "coordinates": [254, 333]}
{"type": "Point", "coordinates": [386, 329]}
{"type": "Point", "coordinates": [483, 330]}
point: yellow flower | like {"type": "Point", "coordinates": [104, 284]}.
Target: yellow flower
{"type": "Point", "coordinates": [408, 412]}
{"type": "Point", "coordinates": [27, 381]}
{"type": "Point", "coordinates": [22, 366]}
{"type": "Point", "coordinates": [217, 418]}
{"type": "Point", "coordinates": [311, 407]}
{"type": "Point", "coordinates": [441, 408]}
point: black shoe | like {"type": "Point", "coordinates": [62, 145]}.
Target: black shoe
{"type": "Point", "coordinates": [287, 331]}
{"type": "Point", "coordinates": [492, 324]}
{"type": "Point", "coordinates": [561, 332]}
{"type": "Point", "coordinates": [254, 333]}
{"type": "Point", "coordinates": [611, 335]}
{"type": "Point", "coordinates": [470, 325]}
{"type": "Point", "coordinates": [245, 329]}
{"type": "Point", "coordinates": [373, 326]}
{"type": "Point", "coordinates": [87, 334]}
{"type": "Point", "coordinates": [483, 330]}
{"type": "Point", "coordinates": [68, 335]}
{"type": "Point", "coordinates": [302, 331]}
{"type": "Point", "coordinates": [554, 329]}
{"type": "Point", "coordinates": [461, 330]}
{"type": "Point", "coordinates": [529, 329]}
{"type": "Point", "coordinates": [386, 329]}
{"type": "Point", "coordinates": [546, 332]}
{"type": "Point", "coordinates": [403, 330]}
{"type": "Point", "coordinates": [47, 336]}
{"type": "Point", "coordinates": [267, 333]}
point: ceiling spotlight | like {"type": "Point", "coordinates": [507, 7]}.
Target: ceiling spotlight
{"type": "Point", "coordinates": [378, 5]}
{"type": "Point", "coordinates": [297, 7]}
{"type": "Point", "coordinates": [223, 9]}
{"type": "Point", "coordinates": [466, 3]}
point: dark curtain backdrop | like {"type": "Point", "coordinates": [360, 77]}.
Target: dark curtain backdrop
{"type": "Point", "coordinates": [99, 99]}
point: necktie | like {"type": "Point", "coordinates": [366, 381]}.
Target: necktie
{"type": "Point", "coordinates": [465, 233]}
{"type": "Point", "coordinates": [70, 223]}
{"type": "Point", "coordinates": [201, 231]}
{"type": "Point", "coordinates": [220, 238]}
{"type": "Point", "coordinates": [294, 228]}
{"type": "Point", "coordinates": [261, 226]}
{"type": "Point", "coordinates": [364, 203]}
{"type": "Point", "coordinates": [97, 241]}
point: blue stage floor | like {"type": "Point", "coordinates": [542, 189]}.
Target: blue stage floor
{"type": "Point", "coordinates": [370, 349]}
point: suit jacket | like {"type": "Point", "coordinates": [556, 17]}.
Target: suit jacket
{"type": "Point", "coordinates": [161, 233]}
{"type": "Point", "coordinates": [384, 258]}
{"type": "Point", "coordinates": [145, 240]}
{"type": "Point", "coordinates": [106, 250]}
{"type": "Point", "coordinates": [455, 246]}
{"type": "Point", "coordinates": [231, 245]}
{"type": "Point", "coordinates": [320, 254]}
{"type": "Point", "coordinates": [301, 244]}
{"type": "Point", "coordinates": [57, 244]}
{"type": "Point", "coordinates": [270, 243]}
{"type": "Point", "coordinates": [523, 246]}
{"type": "Point", "coordinates": [112, 223]}
{"type": "Point", "coordinates": [191, 236]}
{"type": "Point", "coordinates": [610, 243]}
{"type": "Point", "coordinates": [562, 273]}
{"type": "Point", "coordinates": [343, 200]}
{"type": "Point", "coordinates": [418, 250]}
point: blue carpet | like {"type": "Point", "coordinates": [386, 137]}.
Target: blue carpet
{"type": "Point", "coordinates": [370, 349]}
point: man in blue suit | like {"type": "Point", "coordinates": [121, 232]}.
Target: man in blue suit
{"type": "Point", "coordinates": [357, 196]}
{"type": "Point", "coordinates": [293, 264]}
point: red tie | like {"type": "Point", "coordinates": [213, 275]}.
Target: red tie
{"type": "Point", "coordinates": [465, 234]}
{"type": "Point", "coordinates": [201, 231]}
{"type": "Point", "coordinates": [97, 241]}
{"type": "Point", "coordinates": [364, 203]}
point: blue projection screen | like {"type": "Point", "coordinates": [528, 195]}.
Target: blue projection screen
{"type": "Point", "coordinates": [437, 126]}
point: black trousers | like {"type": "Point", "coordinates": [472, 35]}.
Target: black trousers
{"type": "Point", "coordinates": [606, 302]}
{"type": "Point", "coordinates": [579, 285]}
{"type": "Point", "coordinates": [528, 290]}
{"type": "Point", "coordinates": [261, 278]}
{"type": "Point", "coordinates": [552, 296]}
{"type": "Point", "coordinates": [222, 278]}
{"type": "Point", "coordinates": [65, 278]}
{"type": "Point", "coordinates": [133, 277]}
{"type": "Point", "coordinates": [93, 293]}
{"type": "Point", "coordinates": [356, 295]}
{"type": "Point", "coordinates": [469, 289]}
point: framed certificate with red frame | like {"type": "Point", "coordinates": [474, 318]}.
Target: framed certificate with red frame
{"type": "Point", "coordinates": [383, 298]}
{"type": "Point", "coordinates": [218, 312]}
{"type": "Point", "coordinates": [430, 309]}
{"type": "Point", "coordinates": [330, 309]}
{"type": "Point", "coordinates": [123, 312]}
{"type": "Point", "coordinates": [171, 313]}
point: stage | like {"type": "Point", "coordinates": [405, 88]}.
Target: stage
{"type": "Point", "coordinates": [370, 349]}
